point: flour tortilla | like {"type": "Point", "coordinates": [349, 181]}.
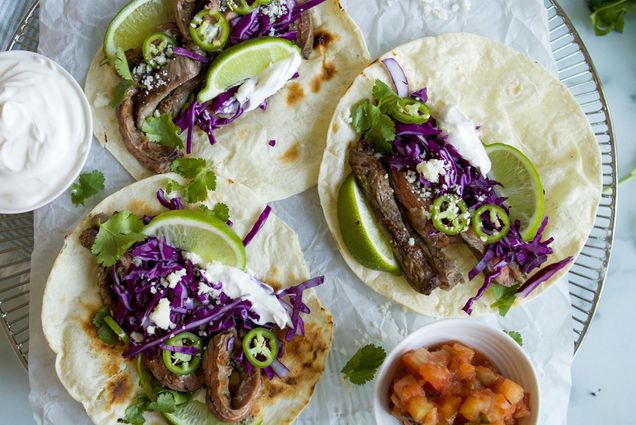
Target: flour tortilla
{"type": "Point", "coordinates": [297, 117]}
{"type": "Point", "coordinates": [515, 101]}
{"type": "Point", "coordinates": [105, 383]}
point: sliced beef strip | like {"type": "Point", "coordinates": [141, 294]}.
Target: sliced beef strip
{"type": "Point", "coordinates": [412, 257]}
{"type": "Point", "coordinates": [174, 102]}
{"type": "Point", "coordinates": [416, 212]}
{"type": "Point", "coordinates": [510, 274]}
{"type": "Point", "coordinates": [217, 368]}
{"type": "Point", "coordinates": [153, 156]}
{"type": "Point", "coordinates": [305, 37]}
{"type": "Point", "coordinates": [182, 383]}
{"type": "Point", "coordinates": [184, 11]}
{"type": "Point", "coordinates": [175, 73]}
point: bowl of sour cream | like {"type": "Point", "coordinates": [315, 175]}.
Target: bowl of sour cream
{"type": "Point", "coordinates": [45, 131]}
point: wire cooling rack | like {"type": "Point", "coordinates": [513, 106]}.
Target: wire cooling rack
{"type": "Point", "coordinates": [586, 278]}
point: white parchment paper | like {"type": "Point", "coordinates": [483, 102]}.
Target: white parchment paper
{"type": "Point", "coordinates": [71, 32]}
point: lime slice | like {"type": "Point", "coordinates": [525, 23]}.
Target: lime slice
{"type": "Point", "coordinates": [193, 231]}
{"type": "Point", "coordinates": [244, 61]}
{"type": "Point", "coordinates": [195, 413]}
{"type": "Point", "coordinates": [134, 23]}
{"type": "Point", "coordinates": [521, 185]}
{"type": "Point", "coordinates": [360, 231]}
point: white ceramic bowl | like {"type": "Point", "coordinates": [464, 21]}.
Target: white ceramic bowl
{"type": "Point", "coordinates": [503, 352]}
{"type": "Point", "coordinates": [46, 129]}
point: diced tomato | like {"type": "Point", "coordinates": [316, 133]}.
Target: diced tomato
{"type": "Point", "coordinates": [418, 407]}
{"type": "Point", "coordinates": [523, 408]}
{"type": "Point", "coordinates": [511, 390]}
{"type": "Point", "coordinates": [414, 360]}
{"type": "Point", "coordinates": [463, 352]}
{"type": "Point", "coordinates": [501, 409]}
{"type": "Point", "coordinates": [476, 403]}
{"type": "Point", "coordinates": [407, 387]}
{"type": "Point", "coordinates": [438, 376]}
{"type": "Point", "coordinates": [465, 371]}
{"type": "Point", "coordinates": [449, 408]}
{"type": "Point", "coordinates": [486, 375]}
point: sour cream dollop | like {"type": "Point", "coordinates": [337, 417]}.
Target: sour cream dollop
{"type": "Point", "coordinates": [254, 91]}
{"type": "Point", "coordinates": [238, 284]}
{"type": "Point", "coordinates": [462, 134]}
{"type": "Point", "coordinates": [45, 130]}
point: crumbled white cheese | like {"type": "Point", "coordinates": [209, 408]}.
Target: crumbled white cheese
{"type": "Point", "coordinates": [204, 289]}
{"type": "Point", "coordinates": [150, 330]}
{"type": "Point", "coordinates": [411, 176]}
{"type": "Point", "coordinates": [432, 169]}
{"type": "Point", "coordinates": [160, 316]}
{"type": "Point", "coordinates": [137, 337]}
{"type": "Point", "coordinates": [274, 10]}
{"type": "Point", "coordinates": [173, 278]}
{"type": "Point", "coordinates": [194, 258]}
{"type": "Point", "coordinates": [411, 242]}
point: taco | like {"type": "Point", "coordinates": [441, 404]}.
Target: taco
{"type": "Point", "coordinates": [241, 83]}
{"type": "Point", "coordinates": [147, 332]}
{"type": "Point", "coordinates": [415, 145]}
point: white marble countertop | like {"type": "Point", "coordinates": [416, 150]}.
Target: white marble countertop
{"type": "Point", "coordinates": [603, 371]}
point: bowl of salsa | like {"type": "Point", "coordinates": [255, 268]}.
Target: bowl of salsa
{"type": "Point", "coordinates": [457, 372]}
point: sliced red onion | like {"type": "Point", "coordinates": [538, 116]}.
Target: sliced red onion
{"type": "Point", "coordinates": [180, 51]}
{"type": "Point", "coordinates": [541, 276]}
{"type": "Point", "coordinates": [279, 369]}
{"type": "Point", "coordinates": [260, 222]}
{"type": "Point", "coordinates": [468, 307]}
{"type": "Point", "coordinates": [170, 203]}
{"type": "Point", "coordinates": [398, 76]}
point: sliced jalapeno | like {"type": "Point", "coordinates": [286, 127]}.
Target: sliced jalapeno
{"type": "Point", "coordinates": [409, 111]}
{"type": "Point", "coordinates": [243, 7]}
{"type": "Point", "coordinates": [450, 215]}
{"type": "Point", "coordinates": [117, 329]}
{"type": "Point", "coordinates": [491, 223]}
{"type": "Point", "coordinates": [155, 45]}
{"type": "Point", "coordinates": [209, 30]}
{"type": "Point", "coordinates": [178, 362]}
{"type": "Point", "coordinates": [260, 346]}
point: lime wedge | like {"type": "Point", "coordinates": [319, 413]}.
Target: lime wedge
{"type": "Point", "coordinates": [521, 185]}
{"type": "Point", "coordinates": [244, 61]}
{"type": "Point", "coordinates": [193, 231]}
{"type": "Point", "coordinates": [195, 413]}
{"type": "Point", "coordinates": [360, 231]}
{"type": "Point", "coordinates": [134, 23]}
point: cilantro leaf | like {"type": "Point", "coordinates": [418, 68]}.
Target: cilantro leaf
{"type": "Point", "coordinates": [220, 211]}
{"type": "Point", "coordinates": [116, 236]}
{"type": "Point", "coordinates": [162, 130]}
{"type": "Point", "coordinates": [165, 403]}
{"type": "Point", "coordinates": [202, 179]}
{"type": "Point", "coordinates": [121, 65]}
{"type": "Point", "coordinates": [361, 368]}
{"type": "Point", "coordinates": [134, 414]}
{"type": "Point", "coordinates": [378, 128]}
{"type": "Point", "coordinates": [609, 15]}
{"type": "Point", "coordinates": [88, 185]}
{"type": "Point", "coordinates": [104, 332]}
{"type": "Point", "coordinates": [516, 336]}
{"type": "Point", "coordinates": [120, 92]}
{"type": "Point", "coordinates": [384, 95]}
{"type": "Point", "coordinates": [504, 298]}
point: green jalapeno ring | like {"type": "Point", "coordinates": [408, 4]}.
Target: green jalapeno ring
{"type": "Point", "coordinates": [497, 215]}
{"type": "Point", "coordinates": [260, 342]}
{"type": "Point", "coordinates": [450, 209]}
{"type": "Point", "coordinates": [179, 363]}
{"type": "Point", "coordinates": [243, 7]}
{"type": "Point", "coordinates": [117, 329]}
{"type": "Point", "coordinates": [409, 111]}
{"type": "Point", "coordinates": [155, 44]}
{"type": "Point", "coordinates": [209, 30]}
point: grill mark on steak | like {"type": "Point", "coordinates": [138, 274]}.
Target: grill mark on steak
{"type": "Point", "coordinates": [370, 174]}
{"type": "Point", "coordinates": [416, 212]}
{"type": "Point", "coordinates": [172, 104]}
{"type": "Point", "coordinates": [167, 379]}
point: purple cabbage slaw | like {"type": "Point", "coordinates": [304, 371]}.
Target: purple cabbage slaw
{"type": "Point", "coordinates": [417, 143]}
{"type": "Point", "coordinates": [139, 283]}
{"type": "Point", "coordinates": [225, 109]}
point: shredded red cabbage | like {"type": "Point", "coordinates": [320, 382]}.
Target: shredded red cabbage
{"type": "Point", "coordinates": [272, 143]}
{"type": "Point", "coordinates": [170, 203]}
{"type": "Point", "coordinates": [541, 276]}
{"type": "Point", "coordinates": [260, 222]}
{"type": "Point", "coordinates": [180, 51]}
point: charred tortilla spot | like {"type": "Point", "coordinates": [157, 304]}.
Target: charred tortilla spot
{"type": "Point", "coordinates": [327, 73]}
{"type": "Point", "coordinates": [335, 127]}
{"type": "Point", "coordinates": [291, 155]}
{"type": "Point", "coordinates": [119, 390]}
{"type": "Point", "coordinates": [296, 94]}
{"type": "Point", "coordinates": [291, 380]}
{"type": "Point", "coordinates": [230, 181]}
{"type": "Point", "coordinates": [323, 39]}
{"type": "Point", "coordinates": [315, 84]}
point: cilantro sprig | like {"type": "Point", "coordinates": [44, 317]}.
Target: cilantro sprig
{"type": "Point", "coordinates": [200, 176]}
{"type": "Point", "coordinates": [162, 130]}
{"type": "Point", "coordinates": [361, 368]}
{"type": "Point", "coordinates": [504, 298]}
{"type": "Point", "coordinates": [88, 184]}
{"type": "Point", "coordinates": [220, 211]}
{"type": "Point", "coordinates": [516, 336]}
{"type": "Point", "coordinates": [166, 402]}
{"type": "Point", "coordinates": [608, 15]}
{"type": "Point", "coordinates": [116, 236]}
{"type": "Point", "coordinates": [123, 70]}
{"type": "Point", "coordinates": [378, 128]}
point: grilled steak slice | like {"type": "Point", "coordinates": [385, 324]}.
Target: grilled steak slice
{"type": "Point", "coordinates": [182, 383]}
{"type": "Point", "coordinates": [153, 156]}
{"type": "Point", "coordinates": [175, 73]}
{"type": "Point", "coordinates": [227, 405]}
{"type": "Point", "coordinates": [510, 274]}
{"type": "Point", "coordinates": [305, 37]}
{"type": "Point", "coordinates": [417, 213]}
{"type": "Point", "coordinates": [184, 12]}
{"type": "Point", "coordinates": [370, 174]}
{"type": "Point", "coordinates": [174, 102]}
